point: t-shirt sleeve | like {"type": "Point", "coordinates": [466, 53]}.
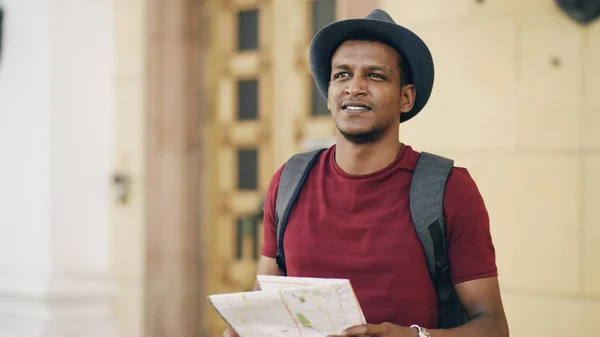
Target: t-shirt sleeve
{"type": "Point", "coordinates": [269, 245]}
{"type": "Point", "coordinates": [470, 247]}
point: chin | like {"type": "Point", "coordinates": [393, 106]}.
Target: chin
{"type": "Point", "coordinates": [356, 125]}
{"type": "Point", "coordinates": [354, 129]}
{"type": "Point", "coordinates": [364, 136]}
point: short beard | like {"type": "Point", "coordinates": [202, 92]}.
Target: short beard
{"type": "Point", "coordinates": [362, 138]}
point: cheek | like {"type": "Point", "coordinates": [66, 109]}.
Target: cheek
{"type": "Point", "coordinates": [391, 96]}
{"type": "Point", "coordinates": [333, 96]}
{"type": "Point", "coordinates": [390, 103]}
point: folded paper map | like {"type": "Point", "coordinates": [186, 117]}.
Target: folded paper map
{"type": "Point", "coordinates": [290, 307]}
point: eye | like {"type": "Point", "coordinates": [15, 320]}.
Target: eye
{"type": "Point", "coordinates": [379, 76]}
{"type": "Point", "coordinates": [341, 74]}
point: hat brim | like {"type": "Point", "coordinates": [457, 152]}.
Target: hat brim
{"type": "Point", "coordinates": [412, 49]}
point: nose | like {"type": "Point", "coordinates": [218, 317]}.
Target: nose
{"type": "Point", "coordinates": [356, 87]}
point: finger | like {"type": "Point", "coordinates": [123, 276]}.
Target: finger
{"type": "Point", "coordinates": [229, 332]}
{"type": "Point", "coordinates": [365, 329]}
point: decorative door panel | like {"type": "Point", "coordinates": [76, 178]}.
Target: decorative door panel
{"type": "Point", "coordinates": [242, 145]}
{"type": "Point", "coordinates": [250, 136]}
{"type": "Point", "coordinates": [314, 129]}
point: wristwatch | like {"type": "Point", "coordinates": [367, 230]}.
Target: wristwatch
{"type": "Point", "coordinates": [422, 331]}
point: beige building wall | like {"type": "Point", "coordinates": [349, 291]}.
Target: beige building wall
{"type": "Point", "coordinates": [516, 102]}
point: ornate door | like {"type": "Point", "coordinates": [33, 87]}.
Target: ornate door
{"type": "Point", "coordinates": [266, 109]}
{"type": "Point", "coordinates": [241, 144]}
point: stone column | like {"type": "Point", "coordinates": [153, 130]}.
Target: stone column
{"type": "Point", "coordinates": [177, 109]}
{"type": "Point", "coordinates": [55, 140]}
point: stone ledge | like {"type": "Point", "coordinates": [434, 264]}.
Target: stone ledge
{"type": "Point", "coordinates": [66, 305]}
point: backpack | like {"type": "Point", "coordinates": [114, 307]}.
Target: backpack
{"type": "Point", "coordinates": [426, 204]}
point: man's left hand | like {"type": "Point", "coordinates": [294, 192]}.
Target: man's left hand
{"type": "Point", "coordinates": [381, 330]}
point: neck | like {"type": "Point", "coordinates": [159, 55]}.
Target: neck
{"type": "Point", "coordinates": [361, 159]}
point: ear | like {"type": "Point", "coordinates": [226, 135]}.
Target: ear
{"type": "Point", "coordinates": [407, 98]}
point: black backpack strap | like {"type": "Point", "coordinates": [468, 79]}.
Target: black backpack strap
{"type": "Point", "coordinates": [427, 208]}
{"type": "Point", "coordinates": [293, 176]}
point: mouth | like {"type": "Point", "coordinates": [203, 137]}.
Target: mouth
{"type": "Point", "coordinates": [355, 107]}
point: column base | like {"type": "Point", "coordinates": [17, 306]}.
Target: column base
{"type": "Point", "coordinates": [57, 306]}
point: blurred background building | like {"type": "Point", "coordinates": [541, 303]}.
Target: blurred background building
{"type": "Point", "coordinates": [138, 138]}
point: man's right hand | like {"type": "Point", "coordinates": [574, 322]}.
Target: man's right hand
{"type": "Point", "coordinates": [230, 333]}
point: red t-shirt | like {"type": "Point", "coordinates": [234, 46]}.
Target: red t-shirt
{"type": "Point", "coordinates": [360, 228]}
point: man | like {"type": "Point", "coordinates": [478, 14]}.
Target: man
{"type": "Point", "coordinates": [352, 218]}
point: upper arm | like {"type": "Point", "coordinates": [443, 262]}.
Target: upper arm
{"type": "Point", "coordinates": [471, 251]}
{"type": "Point", "coordinates": [481, 298]}
{"type": "Point", "coordinates": [269, 244]}
{"type": "Point", "coordinates": [267, 265]}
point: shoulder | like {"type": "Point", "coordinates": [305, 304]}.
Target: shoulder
{"type": "Point", "coordinates": [462, 186]}
{"type": "Point", "coordinates": [274, 183]}
{"type": "Point", "coordinates": [460, 180]}
{"type": "Point", "coordinates": [459, 177]}
{"type": "Point", "coordinates": [464, 206]}
{"type": "Point", "coordinates": [293, 160]}
{"type": "Point", "coordinates": [462, 195]}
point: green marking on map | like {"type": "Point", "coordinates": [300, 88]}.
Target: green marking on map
{"type": "Point", "coordinates": [305, 322]}
{"type": "Point", "coordinates": [246, 303]}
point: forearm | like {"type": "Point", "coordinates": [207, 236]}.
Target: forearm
{"type": "Point", "coordinates": [484, 325]}
{"type": "Point", "coordinates": [266, 266]}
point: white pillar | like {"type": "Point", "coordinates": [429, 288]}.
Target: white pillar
{"type": "Point", "coordinates": [55, 154]}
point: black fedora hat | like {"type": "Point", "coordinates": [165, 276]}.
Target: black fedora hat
{"type": "Point", "coordinates": [377, 26]}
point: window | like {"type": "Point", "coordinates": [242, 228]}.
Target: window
{"type": "Point", "coordinates": [247, 169]}
{"type": "Point", "coordinates": [323, 13]}
{"type": "Point", "coordinates": [247, 230]}
{"type": "Point", "coordinates": [248, 30]}
{"type": "Point", "coordinates": [247, 100]}
{"type": "Point", "coordinates": [318, 103]}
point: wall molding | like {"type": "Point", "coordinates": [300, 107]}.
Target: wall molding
{"type": "Point", "coordinates": [42, 304]}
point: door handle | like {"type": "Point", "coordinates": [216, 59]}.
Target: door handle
{"type": "Point", "coordinates": [121, 187]}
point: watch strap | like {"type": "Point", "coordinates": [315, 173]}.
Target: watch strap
{"type": "Point", "coordinates": [421, 332]}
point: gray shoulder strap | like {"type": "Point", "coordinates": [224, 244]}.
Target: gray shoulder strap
{"type": "Point", "coordinates": [427, 205]}
{"type": "Point", "coordinates": [293, 175]}
{"type": "Point", "coordinates": [291, 178]}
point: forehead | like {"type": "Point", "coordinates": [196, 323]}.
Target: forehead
{"type": "Point", "coordinates": [373, 53]}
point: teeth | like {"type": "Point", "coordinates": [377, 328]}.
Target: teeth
{"type": "Point", "coordinates": [356, 108]}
